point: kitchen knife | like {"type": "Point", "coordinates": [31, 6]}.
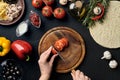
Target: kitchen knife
{"type": "Point", "coordinates": [59, 54]}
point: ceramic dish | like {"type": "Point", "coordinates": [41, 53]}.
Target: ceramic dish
{"type": "Point", "coordinates": [11, 70]}
{"type": "Point", "coordinates": [6, 22]}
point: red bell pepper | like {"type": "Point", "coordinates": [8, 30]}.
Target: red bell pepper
{"type": "Point", "coordinates": [22, 49]}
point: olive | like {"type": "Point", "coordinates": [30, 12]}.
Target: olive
{"type": "Point", "coordinates": [4, 76]}
{"type": "Point", "coordinates": [14, 73]}
{"type": "Point", "coordinates": [7, 72]}
{"type": "Point", "coordinates": [3, 72]}
{"type": "Point", "coordinates": [18, 72]}
{"type": "Point", "coordinates": [9, 77]}
{"type": "Point", "coordinates": [12, 67]}
{"type": "Point", "coordinates": [4, 67]}
{"type": "Point", "coordinates": [16, 68]}
{"type": "Point", "coordinates": [10, 63]}
{"type": "Point", "coordinates": [10, 70]}
{"type": "Point", "coordinates": [14, 78]}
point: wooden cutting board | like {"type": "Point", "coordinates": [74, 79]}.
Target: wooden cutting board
{"type": "Point", "coordinates": [73, 54]}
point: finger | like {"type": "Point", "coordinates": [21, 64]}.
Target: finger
{"type": "Point", "coordinates": [48, 50]}
{"type": "Point", "coordinates": [46, 54]}
{"type": "Point", "coordinates": [86, 78]}
{"type": "Point", "coordinates": [73, 71]}
{"type": "Point", "coordinates": [82, 76]}
{"type": "Point", "coordinates": [78, 74]}
{"type": "Point", "coordinates": [73, 76]}
{"type": "Point", "coordinates": [52, 59]}
{"type": "Point", "coordinates": [39, 62]}
{"type": "Point", "coordinates": [89, 78]}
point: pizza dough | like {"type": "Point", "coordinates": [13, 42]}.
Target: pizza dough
{"type": "Point", "coordinates": [107, 34]}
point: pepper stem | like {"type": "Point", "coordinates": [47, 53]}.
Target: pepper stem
{"type": "Point", "coordinates": [27, 58]}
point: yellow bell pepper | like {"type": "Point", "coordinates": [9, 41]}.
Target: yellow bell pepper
{"type": "Point", "coordinates": [4, 46]}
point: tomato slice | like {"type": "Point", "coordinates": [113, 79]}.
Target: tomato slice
{"type": "Point", "coordinates": [54, 51]}
{"type": "Point", "coordinates": [60, 44]}
{"type": "Point", "coordinates": [65, 41]}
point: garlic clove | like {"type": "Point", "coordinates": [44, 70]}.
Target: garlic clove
{"type": "Point", "coordinates": [113, 64]}
{"type": "Point", "coordinates": [106, 55]}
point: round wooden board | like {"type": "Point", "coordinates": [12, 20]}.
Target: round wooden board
{"type": "Point", "coordinates": [21, 3]}
{"type": "Point", "coordinates": [73, 54]}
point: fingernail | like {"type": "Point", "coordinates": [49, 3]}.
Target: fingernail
{"type": "Point", "coordinates": [82, 73]}
{"type": "Point", "coordinates": [86, 77]}
{"type": "Point", "coordinates": [73, 71]}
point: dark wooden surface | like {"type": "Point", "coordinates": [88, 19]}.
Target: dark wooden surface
{"type": "Point", "coordinates": [92, 65]}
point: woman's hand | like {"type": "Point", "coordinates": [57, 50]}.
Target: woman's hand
{"type": "Point", "coordinates": [46, 66]}
{"type": "Point", "coordinates": [78, 75]}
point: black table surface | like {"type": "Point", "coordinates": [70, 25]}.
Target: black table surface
{"type": "Point", "coordinates": [92, 64]}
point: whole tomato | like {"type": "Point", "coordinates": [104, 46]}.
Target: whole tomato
{"type": "Point", "coordinates": [47, 11]}
{"type": "Point", "coordinates": [59, 13]}
{"type": "Point", "coordinates": [48, 2]}
{"type": "Point", "coordinates": [37, 3]}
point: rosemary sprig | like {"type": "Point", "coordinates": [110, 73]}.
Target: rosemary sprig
{"type": "Point", "coordinates": [92, 4]}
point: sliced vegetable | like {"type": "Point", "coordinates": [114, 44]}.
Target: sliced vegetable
{"type": "Point", "coordinates": [60, 44]}
{"type": "Point", "coordinates": [102, 13]}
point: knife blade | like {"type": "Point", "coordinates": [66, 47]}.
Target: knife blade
{"type": "Point", "coordinates": [59, 54]}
